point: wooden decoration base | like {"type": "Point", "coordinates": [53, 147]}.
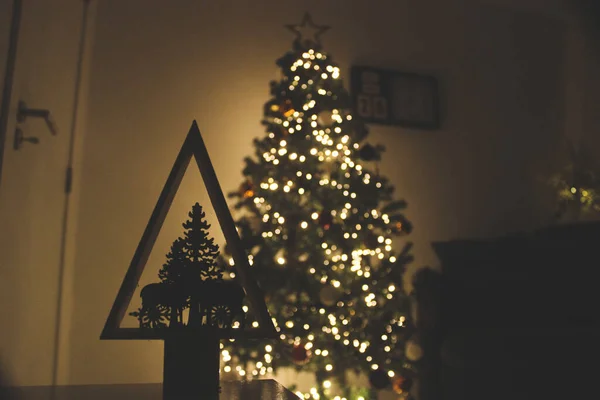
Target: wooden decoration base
{"type": "Point", "coordinates": [191, 366]}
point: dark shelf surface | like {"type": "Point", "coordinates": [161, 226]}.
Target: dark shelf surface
{"type": "Point", "coordinates": [231, 390]}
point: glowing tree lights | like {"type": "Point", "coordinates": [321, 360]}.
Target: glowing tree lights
{"type": "Point", "coordinates": [319, 224]}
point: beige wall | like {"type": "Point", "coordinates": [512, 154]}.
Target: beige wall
{"type": "Point", "coordinates": [158, 66]}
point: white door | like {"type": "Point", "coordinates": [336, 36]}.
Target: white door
{"type": "Point", "coordinates": [32, 186]}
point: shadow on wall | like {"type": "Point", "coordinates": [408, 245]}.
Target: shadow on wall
{"type": "Point", "coordinates": [4, 382]}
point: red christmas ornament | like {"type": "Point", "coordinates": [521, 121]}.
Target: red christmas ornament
{"type": "Point", "coordinates": [397, 228]}
{"type": "Point", "coordinates": [300, 355]}
{"type": "Point", "coordinates": [326, 220]}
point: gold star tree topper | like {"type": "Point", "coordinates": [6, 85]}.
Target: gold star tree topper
{"type": "Point", "coordinates": [307, 32]}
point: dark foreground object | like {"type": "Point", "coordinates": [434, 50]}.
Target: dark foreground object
{"type": "Point", "coordinates": [255, 390]}
{"type": "Point", "coordinates": [191, 367]}
{"type": "Point", "coordinates": [515, 317]}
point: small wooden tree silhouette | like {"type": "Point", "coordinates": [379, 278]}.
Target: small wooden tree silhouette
{"type": "Point", "coordinates": [200, 248]}
{"type": "Point", "coordinates": [201, 253]}
{"type": "Point", "coordinates": [172, 269]}
{"type": "Point", "coordinates": [172, 273]}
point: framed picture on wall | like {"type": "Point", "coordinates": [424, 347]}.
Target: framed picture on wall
{"type": "Point", "coordinates": [395, 98]}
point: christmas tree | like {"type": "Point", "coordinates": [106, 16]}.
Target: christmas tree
{"type": "Point", "coordinates": [319, 222]}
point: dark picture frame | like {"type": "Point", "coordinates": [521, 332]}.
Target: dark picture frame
{"type": "Point", "coordinates": [395, 98]}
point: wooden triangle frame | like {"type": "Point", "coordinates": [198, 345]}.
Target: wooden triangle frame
{"type": "Point", "coordinates": [193, 146]}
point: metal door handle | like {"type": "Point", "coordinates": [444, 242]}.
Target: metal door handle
{"type": "Point", "coordinates": [24, 112]}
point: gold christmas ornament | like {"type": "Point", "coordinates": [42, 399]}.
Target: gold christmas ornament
{"type": "Point", "coordinates": [287, 108]}
{"type": "Point", "coordinates": [247, 189]}
{"type": "Point", "coordinates": [325, 118]}
{"type": "Point", "coordinates": [413, 351]}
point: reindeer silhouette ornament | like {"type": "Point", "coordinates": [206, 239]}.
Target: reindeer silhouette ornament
{"type": "Point", "coordinates": [219, 304]}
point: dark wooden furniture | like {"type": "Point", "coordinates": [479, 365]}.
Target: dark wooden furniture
{"type": "Point", "coordinates": [513, 318]}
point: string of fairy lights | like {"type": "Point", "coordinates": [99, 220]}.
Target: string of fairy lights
{"type": "Point", "coordinates": [330, 144]}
